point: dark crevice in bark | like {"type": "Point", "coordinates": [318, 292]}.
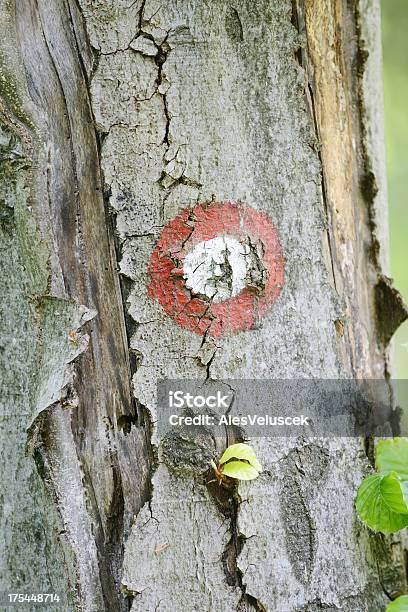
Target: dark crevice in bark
{"type": "Point", "coordinates": [391, 309]}
{"type": "Point", "coordinates": [227, 499]}
{"type": "Point", "coordinates": [315, 606]}
{"type": "Point", "coordinates": [71, 6]}
{"type": "Point", "coordinates": [234, 575]}
{"type": "Point", "coordinates": [139, 415]}
{"type": "Point", "coordinates": [233, 25]}
{"type": "Point", "coordinates": [141, 11]}
{"type": "Point", "coordinates": [369, 449]}
{"type": "Point", "coordinates": [160, 59]}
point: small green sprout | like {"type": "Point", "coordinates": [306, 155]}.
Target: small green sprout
{"type": "Point", "coordinates": [238, 461]}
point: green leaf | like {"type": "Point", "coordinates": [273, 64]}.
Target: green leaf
{"type": "Point", "coordinates": [242, 452]}
{"type": "Point", "coordinates": [399, 605]}
{"type": "Point", "coordinates": [392, 455]}
{"type": "Point", "coordinates": [393, 493]}
{"type": "Point", "coordinates": [380, 503]}
{"type": "Point", "coordinates": [239, 470]}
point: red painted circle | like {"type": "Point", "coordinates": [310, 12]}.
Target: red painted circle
{"type": "Point", "coordinates": [205, 222]}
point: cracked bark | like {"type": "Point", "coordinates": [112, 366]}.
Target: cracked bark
{"type": "Point", "coordinates": [115, 116]}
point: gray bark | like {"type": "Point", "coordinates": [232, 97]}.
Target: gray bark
{"type": "Point", "coordinates": [116, 115]}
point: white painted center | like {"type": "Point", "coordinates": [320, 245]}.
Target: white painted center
{"type": "Point", "coordinates": [218, 268]}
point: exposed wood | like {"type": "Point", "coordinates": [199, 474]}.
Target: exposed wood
{"type": "Point", "coordinates": [334, 67]}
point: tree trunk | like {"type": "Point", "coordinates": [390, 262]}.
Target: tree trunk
{"type": "Point", "coordinates": [115, 117]}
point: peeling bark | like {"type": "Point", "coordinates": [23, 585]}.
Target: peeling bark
{"type": "Point", "coordinates": [94, 469]}
{"type": "Point", "coordinates": [115, 117]}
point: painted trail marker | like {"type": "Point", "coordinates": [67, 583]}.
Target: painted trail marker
{"type": "Point", "coordinates": [217, 268]}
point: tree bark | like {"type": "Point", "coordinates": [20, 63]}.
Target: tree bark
{"type": "Point", "coordinates": [115, 116]}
